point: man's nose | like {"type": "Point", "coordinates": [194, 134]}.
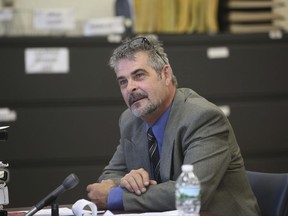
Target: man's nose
{"type": "Point", "coordinates": [131, 86]}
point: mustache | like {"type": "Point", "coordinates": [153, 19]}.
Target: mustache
{"type": "Point", "coordinates": [135, 96]}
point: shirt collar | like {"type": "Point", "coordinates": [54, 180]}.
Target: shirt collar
{"type": "Point", "coordinates": [159, 127]}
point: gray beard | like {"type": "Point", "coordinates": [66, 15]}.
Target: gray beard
{"type": "Point", "coordinates": [138, 112]}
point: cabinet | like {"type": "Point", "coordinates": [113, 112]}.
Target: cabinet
{"type": "Point", "coordinates": [69, 122]}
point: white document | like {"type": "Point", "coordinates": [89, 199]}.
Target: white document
{"type": "Point", "coordinates": [6, 14]}
{"type": "Point", "coordinates": [104, 26]}
{"type": "Point", "coordinates": [165, 213]}
{"type": "Point", "coordinates": [54, 19]}
{"type": "Point", "coordinates": [78, 208]}
{"type": "Point", "coordinates": [62, 212]}
{"type": "Point", "coordinates": [218, 52]}
{"type": "Point", "coordinates": [47, 60]}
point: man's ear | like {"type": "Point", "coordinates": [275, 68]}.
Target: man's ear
{"type": "Point", "coordinates": [167, 74]}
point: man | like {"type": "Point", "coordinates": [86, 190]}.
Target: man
{"type": "Point", "coordinates": [188, 130]}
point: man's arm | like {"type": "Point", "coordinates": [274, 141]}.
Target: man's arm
{"type": "Point", "coordinates": [98, 193]}
{"type": "Point", "coordinates": [160, 197]}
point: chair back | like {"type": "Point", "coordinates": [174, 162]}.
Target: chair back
{"type": "Point", "coordinates": [271, 191]}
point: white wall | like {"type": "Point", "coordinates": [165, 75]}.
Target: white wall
{"type": "Point", "coordinates": [84, 10]}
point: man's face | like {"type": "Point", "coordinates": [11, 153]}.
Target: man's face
{"type": "Point", "coordinates": [143, 90]}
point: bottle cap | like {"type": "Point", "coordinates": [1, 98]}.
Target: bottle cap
{"type": "Point", "coordinates": [187, 167]}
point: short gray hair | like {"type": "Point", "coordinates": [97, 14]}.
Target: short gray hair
{"type": "Point", "coordinates": [157, 57]}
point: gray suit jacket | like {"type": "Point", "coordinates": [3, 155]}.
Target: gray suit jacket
{"type": "Point", "coordinates": [198, 133]}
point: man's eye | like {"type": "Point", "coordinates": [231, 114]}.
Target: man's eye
{"type": "Point", "coordinates": [139, 75]}
{"type": "Point", "coordinates": [122, 82]}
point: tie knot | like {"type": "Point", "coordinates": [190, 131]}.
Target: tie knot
{"type": "Point", "coordinates": [150, 135]}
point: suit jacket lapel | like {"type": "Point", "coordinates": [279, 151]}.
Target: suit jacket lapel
{"type": "Point", "coordinates": [139, 148]}
{"type": "Point", "coordinates": [169, 139]}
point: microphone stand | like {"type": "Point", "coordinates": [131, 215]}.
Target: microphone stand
{"type": "Point", "coordinates": [69, 182]}
{"type": "Point", "coordinates": [54, 209]}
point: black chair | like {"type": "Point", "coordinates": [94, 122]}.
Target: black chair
{"type": "Point", "coordinates": [271, 191]}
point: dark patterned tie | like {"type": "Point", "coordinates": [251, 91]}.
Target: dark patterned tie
{"type": "Point", "coordinates": [154, 154]}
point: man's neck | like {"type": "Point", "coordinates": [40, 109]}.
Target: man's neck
{"type": "Point", "coordinates": [151, 118]}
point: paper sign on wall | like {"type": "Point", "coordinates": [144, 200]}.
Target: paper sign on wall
{"type": "Point", "coordinates": [104, 26]}
{"type": "Point", "coordinates": [54, 19]}
{"type": "Point", "coordinates": [6, 14]}
{"type": "Point", "coordinates": [218, 52]}
{"type": "Point", "coordinates": [46, 60]}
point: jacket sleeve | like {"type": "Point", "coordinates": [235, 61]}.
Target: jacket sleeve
{"type": "Point", "coordinates": [159, 197]}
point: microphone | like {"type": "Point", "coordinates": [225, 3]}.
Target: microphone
{"type": "Point", "coordinates": [69, 182]}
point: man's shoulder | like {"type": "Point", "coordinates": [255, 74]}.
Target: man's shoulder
{"type": "Point", "coordinates": [189, 106]}
{"type": "Point", "coordinates": [189, 99]}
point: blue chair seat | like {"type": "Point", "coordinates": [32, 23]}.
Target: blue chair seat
{"type": "Point", "coordinates": [271, 191]}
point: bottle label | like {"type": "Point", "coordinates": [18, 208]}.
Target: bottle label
{"type": "Point", "coordinates": [189, 193]}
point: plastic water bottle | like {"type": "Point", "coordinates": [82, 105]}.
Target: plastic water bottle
{"type": "Point", "coordinates": [187, 192]}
